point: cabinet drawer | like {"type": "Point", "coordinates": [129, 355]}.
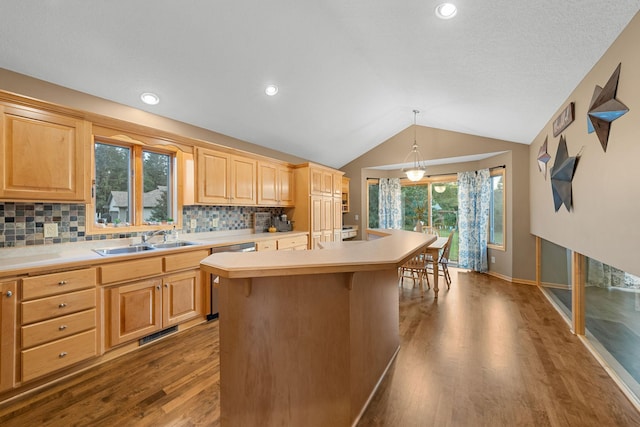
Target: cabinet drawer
{"type": "Point", "coordinates": [57, 283]}
{"type": "Point", "coordinates": [185, 260]}
{"type": "Point", "coordinates": [59, 354]}
{"type": "Point", "coordinates": [58, 305]}
{"type": "Point", "coordinates": [57, 328]}
{"type": "Point", "coordinates": [290, 242]}
{"type": "Point", "coordinates": [128, 270]}
{"type": "Point", "coordinates": [266, 245]}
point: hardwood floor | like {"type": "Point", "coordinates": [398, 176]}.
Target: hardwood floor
{"type": "Point", "coordinates": [487, 353]}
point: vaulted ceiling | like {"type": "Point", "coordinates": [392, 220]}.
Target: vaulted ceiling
{"type": "Point", "coordinates": [349, 73]}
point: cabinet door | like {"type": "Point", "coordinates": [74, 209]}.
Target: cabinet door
{"type": "Point", "coordinates": [316, 214]}
{"type": "Point", "coordinates": [337, 214]}
{"type": "Point", "coordinates": [316, 181]}
{"type": "Point", "coordinates": [8, 298]}
{"type": "Point", "coordinates": [181, 298]}
{"type": "Point", "coordinates": [243, 181]}
{"type": "Point", "coordinates": [214, 171]}
{"type": "Point", "coordinates": [286, 186]}
{"type": "Point", "coordinates": [43, 156]}
{"type": "Point", "coordinates": [267, 184]}
{"type": "Point", "coordinates": [337, 184]}
{"type": "Point", "coordinates": [327, 183]}
{"type": "Point", "coordinates": [135, 311]}
{"type": "Point", "coordinates": [327, 214]}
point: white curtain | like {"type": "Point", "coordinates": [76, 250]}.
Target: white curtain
{"type": "Point", "coordinates": [474, 201]}
{"type": "Point", "coordinates": [390, 203]}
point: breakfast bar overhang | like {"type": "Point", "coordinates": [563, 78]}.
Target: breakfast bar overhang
{"type": "Point", "coordinates": [306, 336]}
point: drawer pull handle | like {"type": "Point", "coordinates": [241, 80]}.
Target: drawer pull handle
{"type": "Point", "coordinates": [62, 327]}
{"type": "Point", "coordinates": [166, 285]}
{"type": "Point", "coordinates": [9, 294]}
{"type": "Point", "coordinates": [63, 354]}
{"type": "Point", "coordinates": [62, 282]}
{"type": "Point", "coordinates": [158, 287]}
{"type": "Point", "coordinates": [62, 305]}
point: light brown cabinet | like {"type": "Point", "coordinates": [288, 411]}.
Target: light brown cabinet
{"type": "Point", "coordinates": [293, 243]}
{"type": "Point", "coordinates": [316, 203]}
{"type": "Point", "coordinates": [143, 307]}
{"type": "Point", "coordinates": [267, 245]}
{"type": "Point", "coordinates": [8, 308]}
{"type": "Point", "coordinates": [146, 305]}
{"type": "Point", "coordinates": [43, 156]}
{"type": "Point", "coordinates": [225, 179]}
{"type": "Point", "coordinates": [135, 310]}
{"type": "Point", "coordinates": [181, 298]}
{"type": "Point", "coordinates": [321, 181]}
{"type": "Point", "coordinates": [275, 184]}
{"type": "Point", "coordinates": [58, 321]}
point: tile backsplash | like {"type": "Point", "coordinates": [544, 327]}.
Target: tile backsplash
{"type": "Point", "coordinates": [22, 224]}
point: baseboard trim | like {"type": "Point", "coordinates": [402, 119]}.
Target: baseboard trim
{"type": "Point", "coordinates": [511, 279]}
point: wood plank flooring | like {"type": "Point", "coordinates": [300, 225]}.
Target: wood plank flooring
{"type": "Point", "coordinates": [487, 353]}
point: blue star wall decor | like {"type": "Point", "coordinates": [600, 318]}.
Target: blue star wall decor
{"type": "Point", "coordinates": [543, 158]}
{"type": "Point", "coordinates": [604, 109]}
{"type": "Point", "coordinates": [562, 173]}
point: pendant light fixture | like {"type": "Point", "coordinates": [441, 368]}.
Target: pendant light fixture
{"type": "Point", "coordinates": [417, 171]}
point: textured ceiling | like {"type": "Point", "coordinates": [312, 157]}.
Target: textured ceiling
{"type": "Point", "coordinates": [349, 72]}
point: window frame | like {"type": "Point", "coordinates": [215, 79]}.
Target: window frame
{"type": "Point", "coordinates": [137, 149]}
{"type": "Point", "coordinates": [490, 244]}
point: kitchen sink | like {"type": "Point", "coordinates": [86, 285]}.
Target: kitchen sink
{"type": "Point", "coordinates": [123, 250]}
{"type": "Point", "coordinates": [167, 245]}
{"type": "Point", "coordinates": [142, 248]}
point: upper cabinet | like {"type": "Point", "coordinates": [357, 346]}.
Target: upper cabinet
{"type": "Point", "coordinates": [43, 156]}
{"type": "Point", "coordinates": [275, 184]}
{"type": "Point", "coordinates": [321, 181]}
{"type": "Point", "coordinates": [225, 179]}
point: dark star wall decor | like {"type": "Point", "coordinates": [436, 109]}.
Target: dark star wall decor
{"type": "Point", "coordinates": [543, 158]}
{"type": "Point", "coordinates": [562, 173]}
{"type": "Point", "coordinates": [604, 108]}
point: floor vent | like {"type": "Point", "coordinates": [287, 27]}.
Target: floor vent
{"type": "Point", "coordinates": [158, 334]}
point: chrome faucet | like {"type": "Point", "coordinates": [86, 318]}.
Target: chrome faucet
{"type": "Point", "coordinates": [149, 234]}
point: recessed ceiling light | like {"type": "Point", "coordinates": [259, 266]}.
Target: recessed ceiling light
{"type": "Point", "coordinates": [271, 90]}
{"type": "Point", "coordinates": [446, 11]}
{"type": "Point", "coordinates": [150, 98]}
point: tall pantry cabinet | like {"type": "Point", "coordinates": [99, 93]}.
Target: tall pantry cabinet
{"type": "Point", "coordinates": [318, 200]}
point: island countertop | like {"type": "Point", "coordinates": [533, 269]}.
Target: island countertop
{"type": "Point", "coordinates": [394, 248]}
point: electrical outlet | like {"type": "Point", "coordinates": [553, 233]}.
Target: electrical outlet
{"type": "Point", "coordinates": [194, 223]}
{"type": "Point", "coordinates": [357, 217]}
{"type": "Point", "coordinates": [493, 260]}
{"type": "Point", "coordinates": [51, 230]}
{"type": "Point", "coordinates": [214, 222]}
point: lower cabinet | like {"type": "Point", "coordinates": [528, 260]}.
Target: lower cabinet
{"type": "Point", "coordinates": [58, 319]}
{"type": "Point", "coordinates": [8, 305]}
{"type": "Point", "coordinates": [135, 310]}
{"type": "Point", "coordinates": [181, 298]}
{"type": "Point", "coordinates": [296, 243]}
{"type": "Point", "coordinates": [143, 307]}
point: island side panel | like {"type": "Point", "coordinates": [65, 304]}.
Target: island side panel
{"type": "Point", "coordinates": [284, 356]}
{"type": "Point", "coordinates": [375, 336]}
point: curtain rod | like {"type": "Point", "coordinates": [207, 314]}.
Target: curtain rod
{"type": "Point", "coordinates": [451, 173]}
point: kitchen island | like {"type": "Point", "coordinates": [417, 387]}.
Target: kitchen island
{"type": "Point", "coordinates": [306, 336]}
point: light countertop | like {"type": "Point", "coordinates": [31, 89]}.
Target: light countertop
{"type": "Point", "coordinates": [394, 248]}
{"type": "Point", "coordinates": [32, 259]}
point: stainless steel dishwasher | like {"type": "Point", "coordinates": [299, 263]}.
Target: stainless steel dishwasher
{"type": "Point", "coordinates": [213, 301]}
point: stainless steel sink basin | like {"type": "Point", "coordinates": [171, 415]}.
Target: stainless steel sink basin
{"type": "Point", "coordinates": [123, 250]}
{"type": "Point", "coordinates": [167, 245]}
